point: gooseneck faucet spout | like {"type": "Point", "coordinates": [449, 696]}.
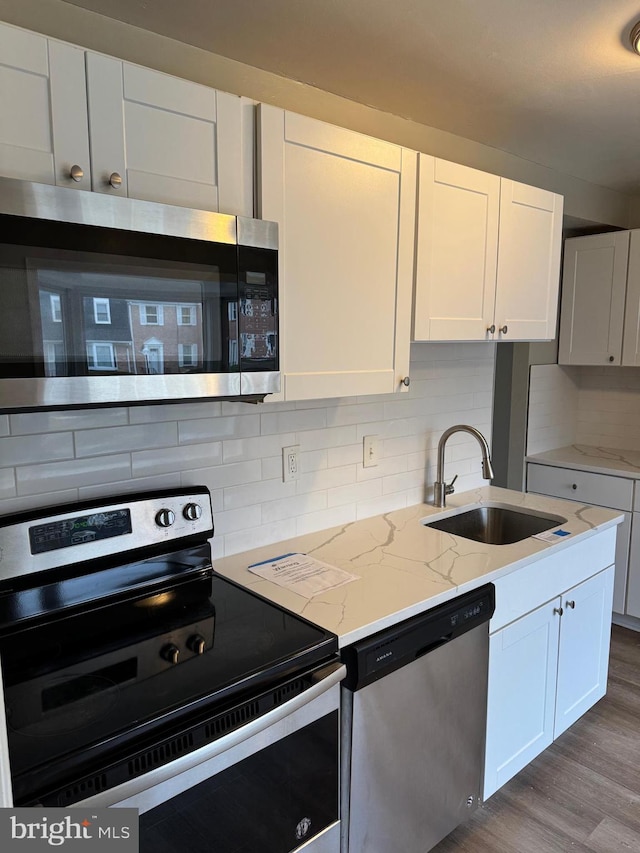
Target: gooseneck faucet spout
{"type": "Point", "coordinates": [440, 488]}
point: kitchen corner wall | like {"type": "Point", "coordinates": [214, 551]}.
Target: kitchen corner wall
{"type": "Point", "coordinates": [49, 458]}
{"type": "Point", "coordinates": [598, 406]}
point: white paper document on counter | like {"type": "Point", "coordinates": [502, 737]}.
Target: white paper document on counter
{"type": "Point", "coordinates": [302, 574]}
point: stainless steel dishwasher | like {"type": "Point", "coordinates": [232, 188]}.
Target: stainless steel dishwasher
{"type": "Point", "coordinates": [413, 727]}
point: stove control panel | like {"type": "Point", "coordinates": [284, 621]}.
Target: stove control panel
{"type": "Point", "coordinates": [73, 533]}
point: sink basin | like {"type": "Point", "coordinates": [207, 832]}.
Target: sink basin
{"type": "Point", "coordinates": [496, 524]}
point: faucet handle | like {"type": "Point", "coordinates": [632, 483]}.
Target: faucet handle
{"type": "Point", "coordinates": [448, 488]}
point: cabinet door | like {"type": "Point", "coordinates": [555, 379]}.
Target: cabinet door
{"type": "Point", "coordinates": [456, 252]}
{"type": "Point", "coordinates": [631, 335]}
{"type": "Point", "coordinates": [529, 244]}
{"type": "Point", "coordinates": [521, 698]}
{"type": "Point", "coordinates": [594, 281]}
{"type": "Point", "coordinates": [168, 140]}
{"type": "Point", "coordinates": [345, 205]}
{"type": "Point", "coordinates": [583, 660]}
{"type": "Point", "coordinates": [43, 121]}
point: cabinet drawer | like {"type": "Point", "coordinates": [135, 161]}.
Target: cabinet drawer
{"type": "Point", "coordinates": [583, 486]}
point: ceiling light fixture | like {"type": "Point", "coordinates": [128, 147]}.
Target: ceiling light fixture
{"type": "Point", "coordinates": [634, 37]}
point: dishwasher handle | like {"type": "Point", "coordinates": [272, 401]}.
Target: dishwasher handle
{"type": "Point", "coordinates": [431, 647]}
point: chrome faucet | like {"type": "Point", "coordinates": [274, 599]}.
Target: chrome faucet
{"type": "Point", "coordinates": [440, 488]}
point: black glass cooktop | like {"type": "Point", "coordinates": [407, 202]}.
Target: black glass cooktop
{"type": "Point", "coordinates": [96, 677]}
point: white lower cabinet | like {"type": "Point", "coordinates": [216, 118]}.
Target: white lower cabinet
{"type": "Point", "coordinates": [605, 490]}
{"type": "Point", "coordinates": [549, 666]}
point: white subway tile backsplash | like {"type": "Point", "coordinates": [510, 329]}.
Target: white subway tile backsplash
{"type": "Point", "coordinates": [235, 449]}
{"type": "Point", "coordinates": [97, 442]}
{"type": "Point", "coordinates": [122, 487]}
{"type": "Point", "coordinates": [22, 449]}
{"type": "Point", "coordinates": [331, 517]}
{"type": "Point", "coordinates": [30, 423]}
{"type": "Point", "coordinates": [174, 412]}
{"type": "Point", "coordinates": [146, 463]}
{"type": "Point", "coordinates": [208, 429]}
{"type": "Point", "coordinates": [56, 476]}
{"type": "Point", "coordinates": [354, 493]}
{"type": "Point", "coordinates": [288, 421]}
{"type": "Point", "coordinates": [7, 482]}
{"type": "Point", "coordinates": [256, 447]}
{"type": "Point", "coordinates": [262, 492]}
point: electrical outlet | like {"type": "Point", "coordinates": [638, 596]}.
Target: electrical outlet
{"type": "Point", "coordinates": [370, 451]}
{"type": "Point", "coordinates": [290, 463]}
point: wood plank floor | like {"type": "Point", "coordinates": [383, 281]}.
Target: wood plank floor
{"type": "Point", "coordinates": [582, 795]}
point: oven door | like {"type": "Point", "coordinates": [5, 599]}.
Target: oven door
{"type": "Point", "coordinates": [272, 785]}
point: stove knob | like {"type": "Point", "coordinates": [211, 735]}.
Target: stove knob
{"type": "Point", "coordinates": [192, 512]}
{"type": "Point", "coordinates": [165, 517]}
{"type": "Point", "coordinates": [197, 644]}
{"type": "Point", "coordinates": [170, 653]}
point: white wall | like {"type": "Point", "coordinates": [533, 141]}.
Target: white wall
{"type": "Point", "coordinates": [47, 458]}
{"type": "Point", "coordinates": [553, 407]}
{"type": "Point", "coordinates": [596, 406]}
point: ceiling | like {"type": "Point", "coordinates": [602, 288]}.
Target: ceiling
{"type": "Point", "coordinates": [552, 81]}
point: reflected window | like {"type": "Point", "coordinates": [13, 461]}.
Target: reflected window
{"type": "Point", "coordinates": [233, 311]}
{"type": "Point", "coordinates": [187, 355]}
{"type": "Point", "coordinates": [101, 356]}
{"type": "Point", "coordinates": [56, 307]}
{"type": "Point", "coordinates": [186, 315]}
{"type": "Point", "coordinates": [151, 315]}
{"type": "Point", "coordinates": [101, 311]}
{"type": "Point", "coordinates": [233, 352]}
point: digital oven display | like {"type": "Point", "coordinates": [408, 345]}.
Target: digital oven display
{"type": "Point", "coordinates": [79, 530]}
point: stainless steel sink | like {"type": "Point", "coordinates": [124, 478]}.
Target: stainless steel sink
{"type": "Point", "coordinates": [496, 524]}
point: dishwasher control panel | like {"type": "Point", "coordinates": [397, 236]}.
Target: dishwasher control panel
{"type": "Point", "coordinates": [371, 659]}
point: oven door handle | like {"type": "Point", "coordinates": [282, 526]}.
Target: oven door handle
{"type": "Point", "coordinates": [323, 680]}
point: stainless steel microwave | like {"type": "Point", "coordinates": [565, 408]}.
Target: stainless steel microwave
{"type": "Point", "coordinates": [107, 301]}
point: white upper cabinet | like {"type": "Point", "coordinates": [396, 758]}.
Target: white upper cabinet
{"type": "Point", "coordinates": [487, 256]}
{"type": "Point", "coordinates": [594, 283]}
{"type": "Point", "coordinates": [529, 247]}
{"type": "Point", "coordinates": [159, 138]}
{"type": "Point", "coordinates": [151, 136]}
{"type": "Point", "coordinates": [43, 110]}
{"type": "Point", "coordinates": [456, 251]}
{"type": "Point", "coordinates": [631, 332]}
{"type": "Point", "coordinates": [345, 205]}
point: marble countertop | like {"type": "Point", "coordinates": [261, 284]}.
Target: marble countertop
{"type": "Point", "coordinates": [405, 568]}
{"type": "Point", "coordinates": [584, 457]}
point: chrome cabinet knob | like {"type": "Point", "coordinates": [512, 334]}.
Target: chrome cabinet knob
{"type": "Point", "coordinates": [612, 358]}
{"type": "Point", "coordinates": [115, 180]}
{"type": "Point", "coordinates": [574, 486]}
{"type": "Point", "coordinates": [571, 604]}
{"type": "Point", "coordinates": [558, 610]}
{"type": "Point", "coordinates": [504, 329]}
{"type": "Point", "coordinates": [491, 329]}
{"type": "Point", "coordinates": [76, 173]}
{"type": "Point", "coordinates": [165, 517]}
{"type": "Point", "coordinates": [406, 381]}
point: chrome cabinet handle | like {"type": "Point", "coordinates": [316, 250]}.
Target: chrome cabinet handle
{"type": "Point", "coordinates": [491, 329]}
{"type": "Point", "coordinates": [76, 173]}
{"type": "Point", "coordinates": [558, 610]}
{"type": "Point", "coordinates": [571, 604]}
{"type": "Point", "coordinates": [504, 329]}
{"type": "Point", "coordinates": [115, 180]}
{"type": "Point", "coordinates": [406, 381]}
